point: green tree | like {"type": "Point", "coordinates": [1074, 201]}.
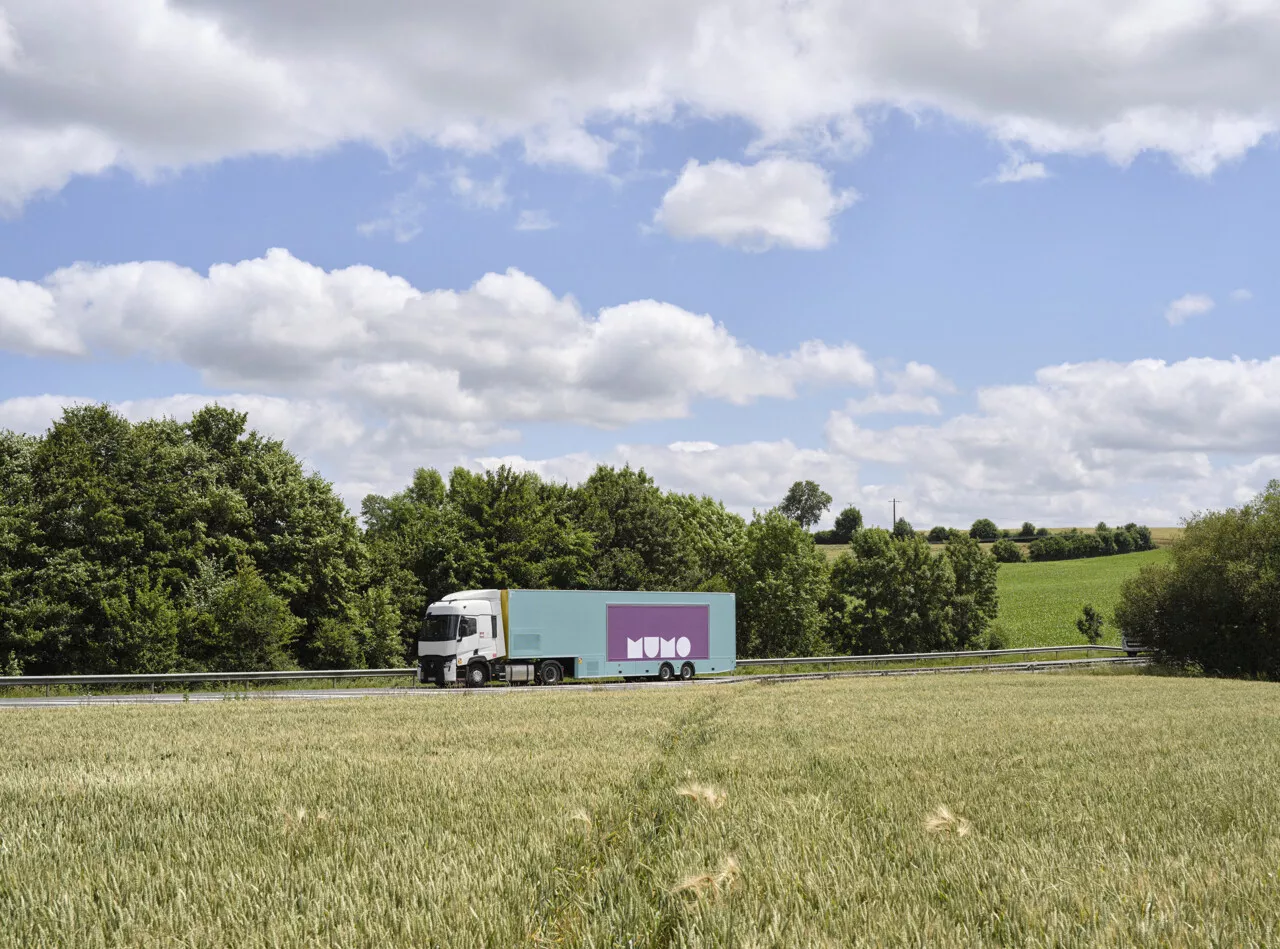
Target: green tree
{"type": "Point", "coordinates": [805, 503]}
{"type": "Point", "coordinates": [974, 602]}
{"type": "Point", "coordinates": [1216, 602]}
{"type": "Point", "coordinates": [902, 528]}
{"type": "Point", "coordinates": [780, 584]}
{"type": "Point", "coordinates": [984, 529]}
{"type": "Point", "coordinates": [1090, 624]}
{"type": "Point", "coordinates": [939, 535]}
{"type": "Point", "coordinates": [714, 538]}
{"type": "Point", "coordinates": [239, 623]}
{"type": "Point", "coordinates": [891, 594]}
{"type": "Point", "coordinates": [1006, 551]}
{"type": "Point", "coordinates": [640, 542]}
{"type": "Point", "coordinates": [1027, 530]}
{"type": "Point", "coordinates": [848, 522]}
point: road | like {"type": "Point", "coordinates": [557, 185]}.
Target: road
{"type": "Point", "coordinates": [168, 698]}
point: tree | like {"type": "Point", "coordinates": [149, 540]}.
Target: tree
{"type": "Point", "coordinates": [984, 529]}
{"type": "Point", "coordinates": [1006, 551]}
{"type": "Point", "coordinates": [104, 524]}
{"type": "Point", "coordinates": [1027, 530]}
{"type": "Point", "coordinates": [780, 583]}
{"type": "Point", "coordinates": [1090, 624]}
{"type": "Point", "coordinates": [939, 535]}
{"type": "Point", "coordinates": [902, 528]}
{"type": "Point", "coordinates": [239, 623]}
{"type": "Point", "coordinates": [640, 542]}
{"type": "Point", "coordinates": [891, 594]}
{"type": "Point", "coordinates": [805, 503]}
{"type": "Point", "coordinates": [848, 522]}
{"type": "Point", "coordinates": [1216, 602]}
{"type": "Point", "coordinates": [974, 602]}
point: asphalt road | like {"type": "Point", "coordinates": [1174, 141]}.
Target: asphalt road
{"type": "Point", "coordinates": [430, 692]}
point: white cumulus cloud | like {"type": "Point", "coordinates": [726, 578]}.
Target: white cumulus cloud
{"type": "Point", "coordinates": [506, 349]}
{"type": "Point", "coordinates": [775, 202]}
{"type": "Point", "coordinates": [1185, 307]}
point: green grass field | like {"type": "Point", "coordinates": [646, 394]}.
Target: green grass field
{"type": "Point", "coordinates": [1118, 810]}
{"type": "Point", "coordinates": [1040, 602]}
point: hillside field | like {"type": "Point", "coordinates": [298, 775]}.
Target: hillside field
{"type": "Point", "coordinates": [1040, 602]}
{"type": "Point", "coordinates": [1119, 810]}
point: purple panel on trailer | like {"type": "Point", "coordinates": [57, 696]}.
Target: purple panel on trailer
{"type": "Point", "coordinates": [658, 631]}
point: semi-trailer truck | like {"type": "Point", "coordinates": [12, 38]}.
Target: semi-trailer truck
{"type": "Point", "coordinates": [528, 636]}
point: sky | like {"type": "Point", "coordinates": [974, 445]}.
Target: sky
{"type": "Point", "coordinates": [989, 259]}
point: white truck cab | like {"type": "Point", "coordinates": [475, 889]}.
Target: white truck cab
{"type": "Point", "coordinates": [461, 635]}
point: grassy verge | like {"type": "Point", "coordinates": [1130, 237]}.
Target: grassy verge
{"type": "Point", "coordinates": [1085, 810]}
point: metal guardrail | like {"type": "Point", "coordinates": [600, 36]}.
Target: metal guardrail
{"type": "Point", "coordinates": [924, 656]}
{"type": "Point", "coordinates": [181, 678]}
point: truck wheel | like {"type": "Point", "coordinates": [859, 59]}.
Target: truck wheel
{"type": "Point", "coordinates": [550, 673]}
{"type": "Point", "coordinates": [686, 671]}
{"type": "Point", "coordinates": [439, 678]}
{"type": "Point", "coordinates": [477, 675]}
{"type": "Point", "coordinates": [666, 673]}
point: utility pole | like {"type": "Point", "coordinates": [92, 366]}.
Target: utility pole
{"type": "Point", "coordinates": [895, 513]}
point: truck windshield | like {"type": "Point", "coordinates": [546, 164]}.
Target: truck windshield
{"type": "Point", "coordinates": [440, 629]}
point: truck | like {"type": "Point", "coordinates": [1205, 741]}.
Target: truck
{"type": "Point", "coordinates": [542, 636]}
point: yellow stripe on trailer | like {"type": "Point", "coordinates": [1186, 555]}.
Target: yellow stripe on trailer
{"type": "Point", "coordinates": [503, 598]}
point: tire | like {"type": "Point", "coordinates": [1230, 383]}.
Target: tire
{"type": "Point", "coordinates": [666, 673]}
{"type": "Point", "coordinates": [477, 675]}
{"type": "Point", "coordinates": [687, 671]}
{"type": "Point", "coordinates": [550, 673]}
{"type": "Point", "coordinates": [439, 679]}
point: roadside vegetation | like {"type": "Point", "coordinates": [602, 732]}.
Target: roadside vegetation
{"type": "Point", "coordinates": [159, 546]}
{"type": "Point", "coordinates": [1065, 810]}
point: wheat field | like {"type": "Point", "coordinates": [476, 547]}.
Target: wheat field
{"type": "Point", "coordinates": [1023, 810]}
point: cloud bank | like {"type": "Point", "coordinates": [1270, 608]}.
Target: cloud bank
{"type": "Point", "coordinates": [150, 85]}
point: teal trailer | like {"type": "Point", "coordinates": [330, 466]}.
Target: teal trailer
{"type": "Point", "coordinates": [544, 635]}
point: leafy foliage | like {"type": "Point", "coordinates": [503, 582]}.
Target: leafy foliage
{"type": "Point", "coordinates": [1006, 551]}
{"type": "Point", "coordinates": [984, 529]}
{"type": "Point", "coordinates": [892, 594]}
{"type": "Point", "coordinates": [780, 582]}
{"type": "Point", "coordinates": [1102, 542]}
{"type": "Point", "coordinates": [1217, 602]}
{"type": "Point", "coordinates": [1090, 624]}
{"type": "Point", "coordinates": [805, 503]}
{"type": "Point", "coordinates": [848, 522]}
{"type": "Point", "coordinates": [939, 535]}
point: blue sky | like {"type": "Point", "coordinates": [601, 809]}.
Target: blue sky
{"type": "Point", "coordinates": [976, 346]}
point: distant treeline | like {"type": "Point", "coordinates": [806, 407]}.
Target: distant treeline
{"type": "Point", "coordinates": [162, 546]}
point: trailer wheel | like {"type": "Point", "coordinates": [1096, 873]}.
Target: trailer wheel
{"type": "Point", "coordinates": [550, 673]}
{"type": "Point", "coordinates": [686, 671]}
{"type": "Point", "coordinates": [666, 673]}
{"type": "Point", "coordinates": [477, 675]}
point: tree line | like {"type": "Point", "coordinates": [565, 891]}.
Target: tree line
{"type": "Point", "coordinates": [165, 546]}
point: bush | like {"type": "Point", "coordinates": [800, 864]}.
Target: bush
{"type": "Point", "coordinates": [1027, 530]}
{"type": "Point", "coordinates": [1217, 603]}
{"type": "Point", "coordinates": [1006, 551]}
{"type": "Point", "coordinates": [1090, 624]}
{"type": "Point", "coordinates": [891, 594]}
{"type": "Point", "coordinates": [939, 535]}
{"type": "Point", "coordinates": [903, 529]}
{"type": "Point", "coordinates": [1042, 532]}
{"type": "Point", "coordinates": [984, 529]}
{"type": "Point", "coordinates": [848, 522]}
{"type": "Point", "coordinates": [996, 637]}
